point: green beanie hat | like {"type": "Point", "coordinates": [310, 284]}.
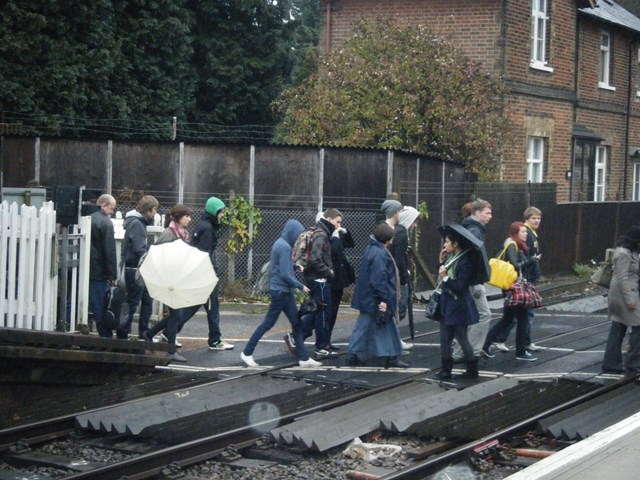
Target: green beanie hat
{"type": "Point", "coordinates": [213, 206]}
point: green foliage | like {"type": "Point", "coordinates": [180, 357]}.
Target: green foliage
{"type": "Point", "coordinates": [400, 87]}
{"type": "Point", "coordinates": [124, 68]}
{"type": "Point", "coordinates": [238, 215]}
{"type": "Point", "coordinates": [582, 270]}
{"type": "Point", "coordinates": [423, 211]}
{"type": "Point", "coordinates": [71, 67]}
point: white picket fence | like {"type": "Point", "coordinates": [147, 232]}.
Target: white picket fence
{"type": "Point", "coordinates": [29, 244]}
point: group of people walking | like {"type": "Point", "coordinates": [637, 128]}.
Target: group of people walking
{"type": "Point", "coordinates": [104, 268]}
{"type": "Point", "coordinates": [382, 286]}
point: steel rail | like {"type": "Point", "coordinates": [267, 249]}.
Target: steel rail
{"type": "Point", "coordinates": [431, 465]}
{"type": "Point", "coordinates": [194, 451]}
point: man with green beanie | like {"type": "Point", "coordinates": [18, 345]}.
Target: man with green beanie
{"type": "Point", "coordinates": [206, 239]}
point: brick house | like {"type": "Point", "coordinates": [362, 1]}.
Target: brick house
{"type": "Point", "coordinates": [572, 69]}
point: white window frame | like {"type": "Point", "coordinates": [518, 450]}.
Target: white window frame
{"type": "Point", "coordinates": [600, 174]}
{"type": "Point", "coordinates": [604, 72]}
{"type": "Point", "coordinates": [636, 181]}
{"type": "Point", "coordinates": [539, 25]}
{"type": "Point", "coordinates": [535, 159]}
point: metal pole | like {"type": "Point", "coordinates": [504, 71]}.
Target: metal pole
{"type": "Point", "coordinates": [252, 178]}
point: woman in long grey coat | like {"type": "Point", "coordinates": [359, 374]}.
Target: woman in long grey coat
{"type": "Point", "coordinates": [624, 306]}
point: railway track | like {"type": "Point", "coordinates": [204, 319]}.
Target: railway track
{"type": "Point", "coordinates": [228, 446]}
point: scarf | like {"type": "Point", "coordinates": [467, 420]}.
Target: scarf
{"type": "Point", "coordinates": [179, 231]}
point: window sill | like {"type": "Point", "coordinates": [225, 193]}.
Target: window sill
{"type": "Point", "coordinates": [605, 86]}
{"type": "Point", "coordinates": [541, 66]}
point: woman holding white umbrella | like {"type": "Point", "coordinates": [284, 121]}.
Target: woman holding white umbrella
{"type": "Point", "coordinates": [176, 222]}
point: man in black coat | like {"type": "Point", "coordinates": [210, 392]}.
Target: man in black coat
{"type": "Point", "coordinates": [134, 246]}
{"type": "Point", "coordinates": [480, 216]}
{"type": "Point", "coordinates": [103, 268]}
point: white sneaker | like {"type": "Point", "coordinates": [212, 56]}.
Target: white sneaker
{"type": "Point", "coordinates": [534, 348]}
{"type": "Point", "coordinates": [221, 345]}
{"type": "Point", "coordinates": [248, 359]}
{"type": "Point", "coordinates": [500, 346]}
{"type": "Point", "coordinates": [309, 363]}
{"type": "Point", "coordinates": [406, 346]}
{"type": "Point", "coordinates": [165, 339]}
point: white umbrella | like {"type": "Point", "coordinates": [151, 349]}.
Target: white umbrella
{"type": "Point", "coordinates": [177, 274]}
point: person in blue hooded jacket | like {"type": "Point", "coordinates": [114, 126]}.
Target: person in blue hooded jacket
{"type": "Point", "coordinates": [282, 282]}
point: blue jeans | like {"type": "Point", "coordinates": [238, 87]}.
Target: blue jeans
{"type": "Point", "coordinates": [212, 307]}
{"type": "Point", "coordinates": [520, 314]}
{"type": "Point", "coordinates": [280, 302]}
{"type": "Point", "coordinates": [97, 293]}
{"type": "Point", "coordinates": [136, 295]}
{"type": "Point", "coordinates": [321, 293]}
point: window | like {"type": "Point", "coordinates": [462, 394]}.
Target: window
{"type": "Point", "coordinates": [539, 23]}
{"type": "Point", "coordinates": [636, 181]}
{"type": "Point", "coordinates": [604, 77]}
{"type": "Point", "coordinates": [535, 160]}
{"type": "Point", "coordinates": [638, 74]}
{"type": "Point", "coordinates": [600, 174]}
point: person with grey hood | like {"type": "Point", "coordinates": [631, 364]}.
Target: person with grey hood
{"type": "Point", "coordinates": [134, 246]}
{"type": "Point", "coordinates": [282, 282]}
{"type": "Point", "coordinates": [398, 249]}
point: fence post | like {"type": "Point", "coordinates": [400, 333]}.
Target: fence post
{"type": "Point", "coordinates": [252, 176]}
{"type": "Point", "coordinates": [109, 166]}
{"type": "Point", "coordinates": [321, 181]}
{"type": "Point", "coordinates": [4, 218]}
{"type": "Point", "coordinates": [389, 172]}
{"type": "Point", "coordinates": [83, 271]}
{"type": "Point", "coordinates": [579, 236]}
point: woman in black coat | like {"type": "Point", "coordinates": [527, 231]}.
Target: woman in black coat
{"type": "Point", "coordinates": [456, 305]}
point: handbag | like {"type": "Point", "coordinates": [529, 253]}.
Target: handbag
{"type": "Point", "coordinates": [523, 294]}
{"type": "Point", "coordinates": [433, 311]}
{"type": "Point", "coordinates": [381, 318]}
{"type": "Point", "coordinates": [602, 275]}
{"type": "Point", "coordinates": [503, 274]}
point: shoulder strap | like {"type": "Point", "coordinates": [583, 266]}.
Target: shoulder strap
{"type": "Point", "coordinates": [504, 250]}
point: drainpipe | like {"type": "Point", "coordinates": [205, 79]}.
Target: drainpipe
{"type": "Point", "coordinates": [327, 33]}
{"type": "Point", "coordinates": [627, 127]}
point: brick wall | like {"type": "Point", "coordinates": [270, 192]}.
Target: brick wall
{"type": "Point", "coordinates": [474, 27]}
{"type": "Point", "coordinates": [542, 103]}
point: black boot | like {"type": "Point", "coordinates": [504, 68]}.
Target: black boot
{"type": "Point", "coordinates": [472, 371]}
{"type": "Point", "coordinates": [445, 372]}
{"type": "Point", "coordinates": [395, 363]}
{"type": "Point", "coordinates": [353, 361]}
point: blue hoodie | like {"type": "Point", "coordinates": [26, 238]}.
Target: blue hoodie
{"type": "Point", "coordinates": [281, 277]}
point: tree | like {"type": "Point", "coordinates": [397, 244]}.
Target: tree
{"type": "Point", "coordinates": [400, 87]}
{"type": "Point", "coordinates": [106, 66]}
{"type": "Point", "coordinates": [241, 56]}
